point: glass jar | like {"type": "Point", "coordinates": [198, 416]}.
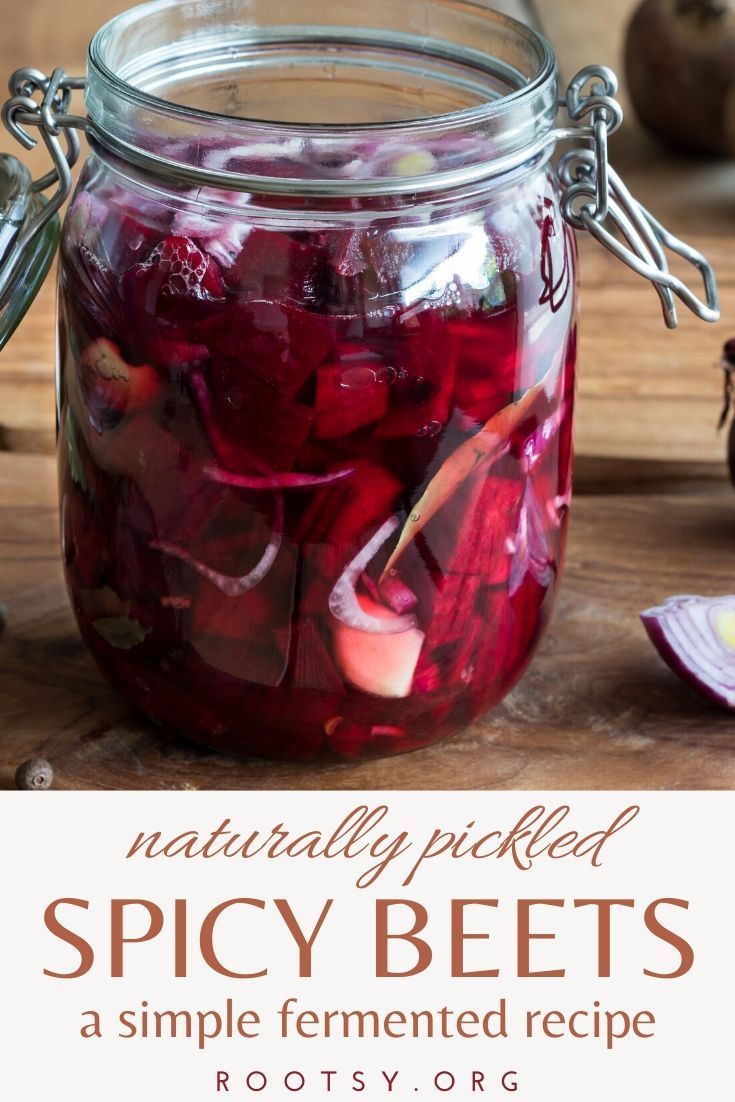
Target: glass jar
{"type": "Point", "coordinates": [317, 353]}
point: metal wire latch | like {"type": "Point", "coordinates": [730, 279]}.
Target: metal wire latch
{"type": "Point", "coordinates": [49, 114]}
{"type": "Point", "coordinates": [595, 197]}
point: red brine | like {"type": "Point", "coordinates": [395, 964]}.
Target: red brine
{"type": "Point", "coordinates": [315, 476]}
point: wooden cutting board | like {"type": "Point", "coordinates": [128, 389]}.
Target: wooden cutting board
{"type": "Point", "coordinates": [597, 710]}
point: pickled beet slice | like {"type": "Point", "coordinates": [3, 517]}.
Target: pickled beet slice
{"type": "Point", "coordinates": [250, 420]}
{"type": "Point", "coordinates": [104, 241]}
{"type": "Point", "coordinates": [515, 625]}
{"type": "Point", "coordinates": [164, 296]}
{"type": "Point", "coordinates": [213, 613]}
{"type": "Point", "coordinates": [481, 546]}
{"type": "Point", "coordinates": [277, 266]}
{"type": "Point", "coordinates": [351, 393]}
{"type": "Point", "coordinates": [423, 366]}
{"type": "Point", "coordinates": [184, 269]}
{"type": "Point", "coordinates": [153, 459]}
{"type": "Point", "coordinates": [165, 349]}
{"type": "Point", "coordinates": [259, 664]}
{"type": "Point", "coordinates": [278, 342]}
{"type": "Point", "coordinates": [342, 513]}
{"type": "Point", "coordinates": [176, 275]}
{"type": "Point", "coordinates": [487, 364]}
{"type": "Point", "coordinates": [453, 658]}
{"type": "Point", "coordinates": [311, 663]}
{"type": "Point", "coordinates": [454, 610]}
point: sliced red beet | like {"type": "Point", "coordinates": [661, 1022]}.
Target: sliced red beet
{"type": "Point", "coordinates": [469, 535]}
{"type": "Point", "coordinates": [176, 269]}
{"type": "Point", "coordinates": [311, 663]}
{"type": "Point", "coordinates": [273, 265]}
{"type": "Point", "coordinates": [246, 617]}
{"type": "Point", "coordinates": [153, 459]}
{"type": "Point", "coordinates": [256, 663]}
{"type": "Point", "coordinates": [280, 343]}
{"type": "Point", "coordinates": [482, 547]}
{"type": "Point", "coordinates": [457, 659]}
{"type": "Point", "coordinates": [424, 363]}
{"type": "Point", "coordinates": [351, 392]}
{"type": "Point", "coordinates": [185, 270]}
{"type": "Point", "coordinates": [164, 348]}
{"type": "Point", "coordinates": [514, 627]}
{"type": "Point", "coordinates": [249, 420]}
{"type": "Point", "coordinates": [454, 610]}
{"type": "Point", "coordinates": [343, 513]}
{"type": "Point", "coordinates": [486, 348]}
{"type": "Point", "coordinates": [101, 240]}
{"type": "Point", "coordinates": [428, 675]}
{"type": "Point", "coordinates": [172, 286]}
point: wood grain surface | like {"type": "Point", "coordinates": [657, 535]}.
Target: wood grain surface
{"type": "Point", "coordinates": [597, 710]}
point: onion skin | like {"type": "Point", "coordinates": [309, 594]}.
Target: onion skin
{"type": "Point", "coordinates": [690, 661]}
{"type": "Point", "coordinates": [680, 63]}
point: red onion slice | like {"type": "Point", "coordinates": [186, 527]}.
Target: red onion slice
{"type": "Point", "coordinates": [232, 586]}
{"type": "Point", "coordinates": [695, 636]}
{"type": "Point", "coordinates": [343, 602]}
{"type": "Point", "coordinates": [530, 547]}
{"type": "Point", "coordinates": [203, 401]}
{"type": "Point", "coordinates": [287, 480]}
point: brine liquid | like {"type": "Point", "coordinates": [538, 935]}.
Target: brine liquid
{"type": "Point", "coordinates": [249, 404]}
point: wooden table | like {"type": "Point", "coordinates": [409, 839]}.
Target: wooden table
{"type": "Point", "coordinates": [597, 710]}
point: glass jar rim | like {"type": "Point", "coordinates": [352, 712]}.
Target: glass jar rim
{"type": "Point", "coordinates": [159, 134]}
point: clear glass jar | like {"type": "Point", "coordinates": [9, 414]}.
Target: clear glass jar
{"type": "Point", "coordinates": [318, 339]}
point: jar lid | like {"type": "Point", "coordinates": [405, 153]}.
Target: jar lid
{"type": "Point", "coordinates": [25, 257]}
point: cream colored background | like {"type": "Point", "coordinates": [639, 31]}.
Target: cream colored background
{"type": "Point", "coordinates": [679, 846]}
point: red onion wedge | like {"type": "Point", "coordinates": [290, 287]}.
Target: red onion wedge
{"type": "Point", "coordinates": [232, 586]}
{"type": "Point", "coordinates": [287, 480]}
{"type": "Point", "coordinates": [695, 636]}
{"type": "Point", "coordinates": [343, 601]}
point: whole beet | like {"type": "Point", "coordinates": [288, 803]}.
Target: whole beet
{"type": "Point", "coordinates": [680, 62]}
